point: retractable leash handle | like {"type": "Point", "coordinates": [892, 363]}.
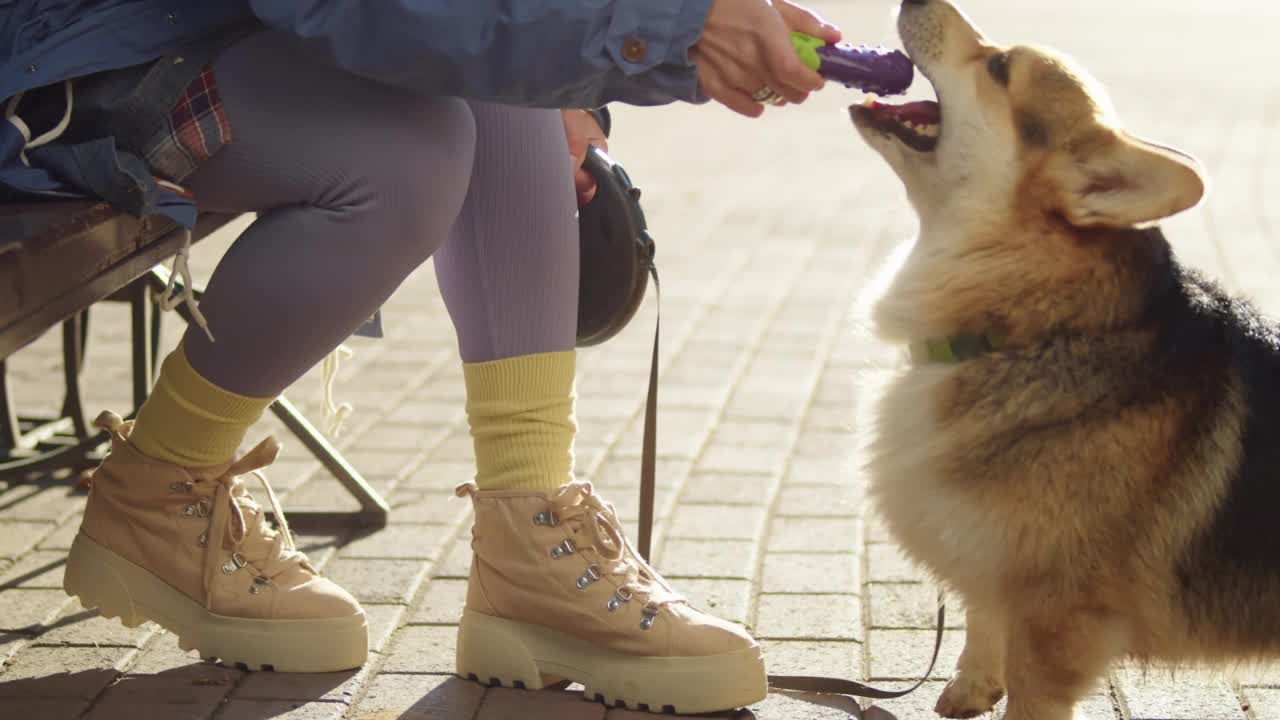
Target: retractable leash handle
{"type": "Point", "coordinates": [616, 252]}
{"type": "Point", "coordinates": [617, 261]}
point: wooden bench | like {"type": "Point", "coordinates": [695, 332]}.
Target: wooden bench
{"type": "Point", "coordinates": [57, 260]}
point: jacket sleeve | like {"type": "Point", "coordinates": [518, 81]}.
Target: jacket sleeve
{"type": "Point", "coordinates": [541, 53]}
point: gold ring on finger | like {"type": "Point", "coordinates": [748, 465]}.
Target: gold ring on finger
{"type": "Point", "coordinates": [768, 96]}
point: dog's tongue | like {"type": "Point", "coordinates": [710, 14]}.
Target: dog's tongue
{"type": "Point", "coordinates": [924, 112]}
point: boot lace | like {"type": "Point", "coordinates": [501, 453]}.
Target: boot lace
{"type": "Point", "coordinates": [236, 517]}
{"type": "Point", "coordinates": [595, 522]}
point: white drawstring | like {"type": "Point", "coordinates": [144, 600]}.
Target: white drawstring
{"type": "Point", "coordinates": [29, 143]}
{"type": "Point", "coordinates": [11, 115]}
{"type": "Point", "coordinates": [57, 130]}
{"type": "Point", "coordinates": [329, 375]}
{"type": "Point", "coordinates": [181, 266]}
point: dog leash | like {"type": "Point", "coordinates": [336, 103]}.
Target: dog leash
{"type": "Point", "coordinates": [648, 483]}
{"type": "Point", "coordinates": [649, 441]}
{"type": "Point", "coordinates": [838, 686]}
{"type": "Point", "coordinates": [628, 229]}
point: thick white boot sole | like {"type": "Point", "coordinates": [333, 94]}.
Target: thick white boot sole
{"type": "Point", "coordinates": [514, 654]}
{"type": "Point", "coordinates": [121, 589]}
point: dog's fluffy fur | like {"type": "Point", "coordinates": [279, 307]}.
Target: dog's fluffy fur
{"type": "Point", "coordinates": [1106, 484]}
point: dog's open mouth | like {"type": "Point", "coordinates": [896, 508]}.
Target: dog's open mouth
{"type": "Point", "coordinates": [917, 124]}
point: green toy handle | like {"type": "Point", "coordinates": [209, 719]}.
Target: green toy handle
{"type": "Point", "coordinates": [807, 47]}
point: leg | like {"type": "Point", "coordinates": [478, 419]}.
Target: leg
{"type": "Point", "coordinates": [1054, 660]}
{"type": "Point", "coordinates": [509, 272]}
{"type": "Point", "coordinates": [979, 681]}
{"type": "Point", "coordinates": [554, 591]}
{"type": "Point", "coordinates": [509, 276]}
{"type": "Point", "coordinates": [355, 185]}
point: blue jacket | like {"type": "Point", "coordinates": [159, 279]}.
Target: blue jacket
{"type": "Point", "coordinates": [545, 53]}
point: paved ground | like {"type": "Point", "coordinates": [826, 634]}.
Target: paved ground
{"type": "Point", "coordinates": [767, 231]}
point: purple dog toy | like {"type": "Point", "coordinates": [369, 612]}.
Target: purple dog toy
{"type": "Point", "coordinates": [873, 70]}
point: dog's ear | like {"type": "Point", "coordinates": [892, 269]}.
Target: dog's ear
{"type": "Point", "coordinates": [1117, 180]}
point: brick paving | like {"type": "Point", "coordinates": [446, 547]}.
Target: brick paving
{"type": "Point", "coordinates": [766, 233]}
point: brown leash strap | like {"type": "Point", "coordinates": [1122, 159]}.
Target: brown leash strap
{"type": "Point", "coordinates": [648, 463]}
{"type": "Point", "coordinates": [649, 445]}
{"type": "Point", "coordinates": [836, 686]}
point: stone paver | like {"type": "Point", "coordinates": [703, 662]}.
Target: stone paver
{"type": "Point", "coordinates": [419, 697]}
{"type": "Point", "coordinates": [767, 233]}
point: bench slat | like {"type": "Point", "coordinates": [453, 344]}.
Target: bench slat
{"type": "Point", "coordinates": [59, 257]}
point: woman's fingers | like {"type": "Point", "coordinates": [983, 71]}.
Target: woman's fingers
{"type": "Point", "coordinates": [585, 185]}
{"type": "Point", "coordinates": [798, 17]}
{"type": "Point", "coordinates": [581, 131]}
{"type": "Point", "coordinates": [746, 50]}
{"type": "Point", "coordinates": [786, 73]}
{"type": "Point", "coordinates": [725, 86]}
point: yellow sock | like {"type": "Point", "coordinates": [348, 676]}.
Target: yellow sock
{"type": "Point", "coordinates": [191, 422]}
{"type": "Point", "coordinates": [522, 424]}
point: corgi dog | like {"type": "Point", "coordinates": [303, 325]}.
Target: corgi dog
{"type": "Point", "coordinates": [1085, 444]}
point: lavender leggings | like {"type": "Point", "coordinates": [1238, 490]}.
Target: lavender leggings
{"type": "Point", "coordinates": [355, 185]}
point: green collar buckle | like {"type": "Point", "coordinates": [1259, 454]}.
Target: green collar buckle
{"type": "Point", "coordinates": [956, 348]}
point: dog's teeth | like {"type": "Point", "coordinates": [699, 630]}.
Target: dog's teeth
{"type": "Point", "coordinates": [869, 101]}
{"type": "Point", "coordinates": [930, 130]}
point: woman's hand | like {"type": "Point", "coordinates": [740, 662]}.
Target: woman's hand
{"type": "Point", "coordinates": [581, 130]}
{"type": "Point", "coordinates": [746, 47]}
{"type": "Point", "coordinates": [799, 17]}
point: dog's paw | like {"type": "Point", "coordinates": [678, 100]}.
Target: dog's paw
{"type": "Point", "coordinates": [968, 696]}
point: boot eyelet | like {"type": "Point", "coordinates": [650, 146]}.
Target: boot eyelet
{"type": "Point", "coordinates": [189, 511]}
{"type": "Point", "coordinates": [202, 509]}
{"type": "Point", "coordinates": [258, 584]}
{"type": "Point", "coordinates": [648, 615]}
{"type": "Point", "coordinates": [590, 576]}
{"type": "Point", "coordinates": [203, 540]}
{"type": "Point", "coordinates": [547, 518]}
{"type": "Point", "coordinates": [233, 564]}
{"type": "Point", "coordinates": [619, 598]}
{"type": "Point", "coordinates": [566, 547]}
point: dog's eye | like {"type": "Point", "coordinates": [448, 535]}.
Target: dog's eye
{"type": "Point", "coordinates": [998, 66]}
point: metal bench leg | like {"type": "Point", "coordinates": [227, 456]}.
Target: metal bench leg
{"type": "Point", "coordinates": [144, 343]}
{"type": "Point", "coordinates": [75, 335]}
{"type": "Point", "coordinates": [10, 432]}
{"type": "Point", "coordinates": [31, 447]}
{"type": "Point", "coordinates": [373, 509]}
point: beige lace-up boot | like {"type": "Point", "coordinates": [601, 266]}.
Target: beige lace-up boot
{"type": "Point", "coordinates": [191, 551]}
{"type": "Point", "coordinates": [556, 593]}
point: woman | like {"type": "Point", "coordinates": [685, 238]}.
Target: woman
{"type": "Point", "coordinates": [369, 137]}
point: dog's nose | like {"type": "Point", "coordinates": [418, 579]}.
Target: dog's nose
{"type": "Point", "coordinates": [915, 2]}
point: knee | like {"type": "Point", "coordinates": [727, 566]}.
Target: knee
{"type": "Point", "coordinates": [414, 170]}
{"type": "Point", "coordinates": [437, 136]}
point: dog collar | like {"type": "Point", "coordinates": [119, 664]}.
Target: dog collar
{"type": "Point", "coordinates": [956, 348]}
